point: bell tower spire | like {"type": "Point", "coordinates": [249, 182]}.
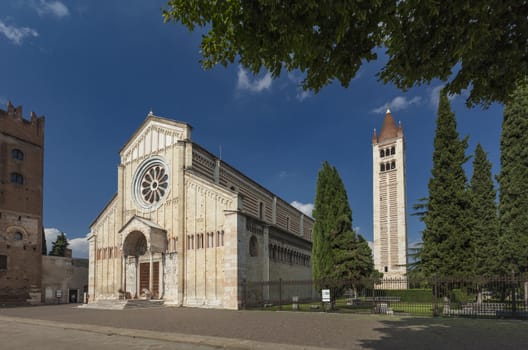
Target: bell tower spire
{"type": "Point", "coordinates": [389, 199]}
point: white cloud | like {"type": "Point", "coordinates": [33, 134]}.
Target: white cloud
{"type": "Point", "coordinates": [398, 103]}
{"type": "Point", "coordinates": [16, 34]}
{"type": "Point", "coordinates": [53, 8]}
{"type": "Point", "coordinates": [296, 79]}
{"type": "Point", "coordinates": [307, 208]}
{"type": "Point", "coordinates": [302, 95]}
{"type": "Point", "coordinates": [51, 236]}
{"type": "Point", "coordinates": [434, 96]}
{"type": "Point", "coordinates": [245, 83]}
{"type": "Point", "coordinates": [79, 246]}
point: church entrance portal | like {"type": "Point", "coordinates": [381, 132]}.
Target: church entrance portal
{"type": "Point", "coordinates": [144, 278]}
{"type": "Point", "coordinates": [144, 272]}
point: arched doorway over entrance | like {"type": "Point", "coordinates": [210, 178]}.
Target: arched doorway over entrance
{"type": "Point", "coordinates": [143, 246]}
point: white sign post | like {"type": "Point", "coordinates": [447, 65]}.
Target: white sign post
{"type": "Point", "coordinates": [325, 295]}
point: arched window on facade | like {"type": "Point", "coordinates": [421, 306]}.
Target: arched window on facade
{"type": "Point", "coordinates": [382, 167]}
{"type": "Point", "coordinates": [382, 153]}
{"type": "Point", "coordinates": [393, 150]}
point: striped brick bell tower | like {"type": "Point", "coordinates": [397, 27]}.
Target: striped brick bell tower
{"type": "Point", "coordinates": [389, 198]}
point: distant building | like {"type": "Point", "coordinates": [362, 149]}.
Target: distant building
{"type": "Point", "coordinates": [389, 198]}
{"type": "Point", "coordinates": [186, 227]}
{"type": "Point", "coordinates": [21, 188]}
{"type": "Point", "coordinates": [64, 280]}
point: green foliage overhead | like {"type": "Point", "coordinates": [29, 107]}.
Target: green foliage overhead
{"type": "Point", "coordinates": [58, 247]}
{"type": "Point", "coordinates": [513, 182]}
{"type": "Point", "coordinates": [484, 225]}
{"type": "Point", "coordinates": [445, 237]}
{"type": "Point", "coordinates": [337, 253]}
{"type": "Point", "coordinates": [484, 41]}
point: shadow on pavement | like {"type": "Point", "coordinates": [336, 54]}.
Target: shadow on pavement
{"type": "Point", "coordinates": [439, 333]}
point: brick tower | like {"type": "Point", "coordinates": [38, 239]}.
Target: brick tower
{"type": "Point", "coordinates": [21, 189]}
{"type": "Point", "coordinates": [390, 213]}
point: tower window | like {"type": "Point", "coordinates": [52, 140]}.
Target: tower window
{"type": "Point", "coordinates": [382, 153]}
{"type": "Point", "coordinates": [17, 178]}
{"type": "Point", "coordinates": [382, 167]}
{"type": "Point", "coordinates": [386, 269]}
{"type": "Point", "coordinates": [17, 154]}
{"type": "Point", "coordinates": [3, 262]}
{"type": "Point", "coordinates": [18, 236]}
{"type": "Point", "coordinates": [393, 165]}
{"type": "Point", "coordinates": [393, 150]}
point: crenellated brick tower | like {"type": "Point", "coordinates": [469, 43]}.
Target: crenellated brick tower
{"type": "Point", "coordinates": [21, 195]}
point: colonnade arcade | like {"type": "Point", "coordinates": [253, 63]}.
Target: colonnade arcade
{"type": "Point", "coordinates": [144, 244]}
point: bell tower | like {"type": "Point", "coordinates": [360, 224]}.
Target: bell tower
{"type": "Point", "coordinates": [389, 198]}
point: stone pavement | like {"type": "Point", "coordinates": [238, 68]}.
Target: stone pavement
{"type": "Point", "coordinates": [206, 328]}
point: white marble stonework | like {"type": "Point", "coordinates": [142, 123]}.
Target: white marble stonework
{"type": "Point", "coordinates": [181, 222]}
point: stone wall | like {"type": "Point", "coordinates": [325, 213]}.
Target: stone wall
{"type": "Point", "coordinates": [67, 275]}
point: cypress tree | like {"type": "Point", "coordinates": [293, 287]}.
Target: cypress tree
{"type": "Point", "coordinates": [58, 247]}
{"type": "Point", "coordinates": [323, 214]}
{"type": "Point", "coordinates": [483, 216]}
{"type": "Point", "coordinates": [513, 182]}
{"type": "Point", "coordinates": [445, 239]}
{"type": "Point", "coordinates": [336, 251]}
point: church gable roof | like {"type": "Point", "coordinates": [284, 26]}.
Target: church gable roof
{"type": "Point", "coordinates": [153, 135]}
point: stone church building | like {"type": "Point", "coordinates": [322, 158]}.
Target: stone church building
{"type": "Point", "coordinates": [188, 228]}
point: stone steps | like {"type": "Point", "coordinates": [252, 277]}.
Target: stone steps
{"type": "Point", "coordinates": [123, 304]}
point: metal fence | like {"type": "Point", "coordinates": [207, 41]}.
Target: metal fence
{"type": "Point", "coordinates": [497, 297]}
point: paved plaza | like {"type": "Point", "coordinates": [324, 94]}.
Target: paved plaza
{"type": "Point", "coordinates": [66, 327]}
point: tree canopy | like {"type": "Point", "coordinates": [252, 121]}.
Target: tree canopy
{"type": "Point", "coordinates": [479, 45]}
{"type": "Point", "coordinates": [58, 247]}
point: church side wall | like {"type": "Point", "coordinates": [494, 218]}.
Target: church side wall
{"type": "Point", "coordinates": [256, 201]}
{"type": "Point", "coordinates": [209, 238]}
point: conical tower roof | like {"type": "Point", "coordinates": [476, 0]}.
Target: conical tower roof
{"type": "Point", "coordinates": [389, 130]}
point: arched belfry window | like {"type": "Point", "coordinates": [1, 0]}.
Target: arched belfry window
{"type": "Point", "coordinates": [17, 154]}
{"type": "Point", "coordinates": [393, 150]}
{"type": "Point", "coordinates": [382, 153]}
{"type": "Point", "coordinates": [393, 165]}
{"type": "Point", "coordinates": [382, 167]}
{"type": "Point", "coordinates": [253, 246]}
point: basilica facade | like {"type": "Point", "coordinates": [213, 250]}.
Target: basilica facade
{"type": "Point", "coordinates": [188, 228]}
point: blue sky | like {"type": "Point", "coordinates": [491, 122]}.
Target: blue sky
{"type": "Point", "coordinates": [96, 68]}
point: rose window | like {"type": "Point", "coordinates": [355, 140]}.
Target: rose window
{"type": "Point", "coordinates": [151, 183]}
{"type": "Point", "coordinates": [154, 184]}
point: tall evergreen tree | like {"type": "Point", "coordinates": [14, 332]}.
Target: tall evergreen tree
{"type": "Point", "coordinates": [323, 214]}
{"type": "Point", "coordinates": [484, 227]}
{"type": "Point", "coordinates": [513, 182]}
{"type": "Point", "coordinates": [337, 253]}
{"type": "Point", "coordinates": [58, 247]}
{"type": "Point", "coordinates": [445, 238]}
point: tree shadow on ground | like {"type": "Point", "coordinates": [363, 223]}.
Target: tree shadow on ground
{"type": "Point", "coordinates": [449, 333]}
